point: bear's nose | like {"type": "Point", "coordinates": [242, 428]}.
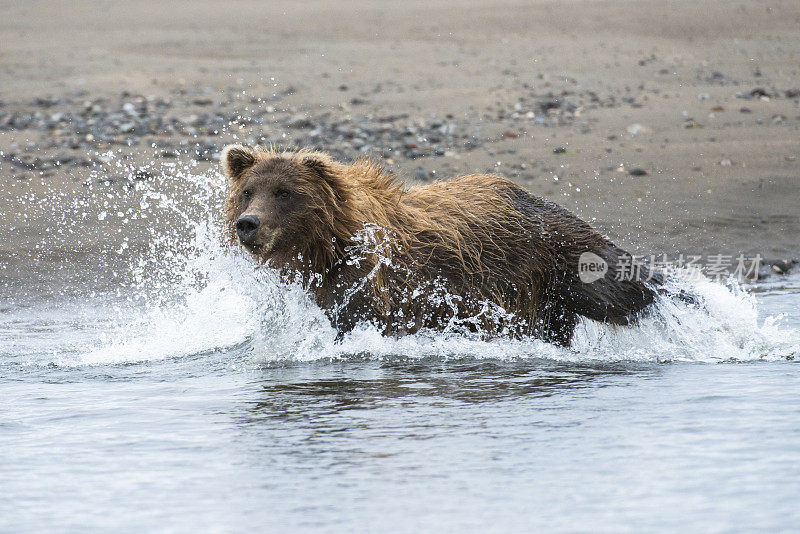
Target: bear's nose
{"type": "Point", "coordinates": [246, 227]}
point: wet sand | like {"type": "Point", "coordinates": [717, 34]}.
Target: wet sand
{"type": "Point", "coordinates": [699, 100]}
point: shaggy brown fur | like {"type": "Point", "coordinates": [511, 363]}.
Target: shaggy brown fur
{"type": "Point", "coordinates": [475, 252]}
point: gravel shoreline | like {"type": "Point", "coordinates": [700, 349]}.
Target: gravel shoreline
{"type": "Point", "coordinates": [74, 131]}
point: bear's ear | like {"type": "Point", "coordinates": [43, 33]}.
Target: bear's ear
{"type": "Point", "coordinates": [318, 163]}
{"type": "Point", "coordinates": [323, 166]}
{"type": "Point", "coordinates": [236, 159]}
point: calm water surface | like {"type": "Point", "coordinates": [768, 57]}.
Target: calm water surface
{"type": "Point", "coordinates": [226, 439]}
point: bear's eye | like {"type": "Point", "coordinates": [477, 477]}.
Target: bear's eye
{"type": "Point", "coordinates": [282, 193]}
{"type": "Point", "coordinates": [246, 194]}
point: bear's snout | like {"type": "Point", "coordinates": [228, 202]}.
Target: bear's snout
{"type": "Point", "coordinates": [247, 227]}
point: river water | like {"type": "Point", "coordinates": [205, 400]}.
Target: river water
{"type": "Point", "coordinates": [190, 391]}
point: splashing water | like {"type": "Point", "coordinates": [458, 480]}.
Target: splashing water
{"type": "Point", "coordinates": [189, 293]}
{"type": "Point", "coordinates": [167, 380]}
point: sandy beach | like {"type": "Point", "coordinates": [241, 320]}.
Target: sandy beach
{"type": "Point", "coordinates": [673, 127]}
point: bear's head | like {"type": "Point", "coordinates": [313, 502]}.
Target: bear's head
{"type": "Point", "coordinates": [284, 207]}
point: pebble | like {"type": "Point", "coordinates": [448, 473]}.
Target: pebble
{"type": "Point", "coordinates": [783, 266]}
{"type": "Point", "coordinates": [299, 121]}
{"type": "Point", "coordinates": [636, 129]}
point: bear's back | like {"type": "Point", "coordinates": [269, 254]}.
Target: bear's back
{"type": "Point", "coordinates": [469, 231]}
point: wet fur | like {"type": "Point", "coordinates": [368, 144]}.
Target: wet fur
{"type": "Point", "coordinates": [480, 238]}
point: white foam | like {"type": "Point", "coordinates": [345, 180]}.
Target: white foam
{"type": "Point", "coordinates": [724, 326]}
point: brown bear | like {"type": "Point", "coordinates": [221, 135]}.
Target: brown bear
{"type": "Point", "coordinates": [476, 253]}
